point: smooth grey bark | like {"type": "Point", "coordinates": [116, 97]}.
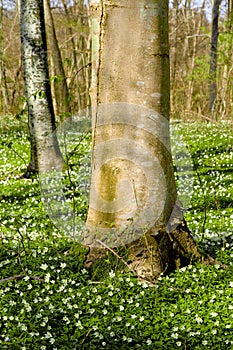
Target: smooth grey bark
{"type": "Point", "coordinates": [213, 55]}
{"type": "Point", "coordinates": [130, 67]}
{"type": "Point", "coordinates": [45, 153]}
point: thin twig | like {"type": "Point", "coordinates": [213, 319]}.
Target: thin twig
{"type": "Point", "coordinates": [20, 277]}
{"type": "Point", "coordinates": [118, 256]}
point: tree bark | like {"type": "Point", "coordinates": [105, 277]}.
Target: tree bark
{"type": "Point", "coordinates": [59, 83]}
{"type": "Point", "coordinates": [3, 80]}
{"type": "Point", "coordinates": [213, 55]}
{"type": "Point", "coordinates": [133, 199]}
{"type": "Point", "coordinates": [45, 153]}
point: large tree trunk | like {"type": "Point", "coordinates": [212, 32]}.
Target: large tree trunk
{"type": "Point", "coordinates": [45, 153]}
{"type": "Point", "coordinates": [133, 199]}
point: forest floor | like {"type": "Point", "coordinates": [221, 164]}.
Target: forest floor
{"type": "Point", "coordinates": [49, 300]}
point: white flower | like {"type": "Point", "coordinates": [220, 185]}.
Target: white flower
{"type": "Point", "coordinates": [29, 286]}
{"type": "Point", "coordinates": [133, 316]}
{"type": "Point", "coordinates": [178, 343]}
{"type": "Point", "coordinates": [121, 307]}
{"type": "Point", "coordinates": [79, 325]}
{"type": "Point", "coordinates": [198, 319]}
{"type": "Point", "coordinates": [231, 284]}
{"type": "Point", "coordinates": [183, 269]}
{"type": "Point", "coordinates": [28, 308]}
{"type": "Point", "coordinates": [44, 266]}
{"type": "Point", "coordinates": [112, 274]}
{"type": "Point", "coordinates": [213, 314]}
{"type": "Point", "coordinates": [47, 277]}
{"type": "Point", "coordinates": [175, 335]}
{"type": "Point", "coordinates": [141, 318]}
{"type": "Point", "coordinates": [204, 342]}
{"type": "Point", "coordinates": [228, 326]}
{"type": "Point", "coordinates": [105, 311]}
{"type": "Point", "coordinates": [63, 265]}
{"type": "Point", "coordinates": [23, 327]}
{"type": "Point", "coordinates": [214, 331]}
{"type": "Point", "coordinates": [148, 342]}
{"type": "Point", "coordinates": [48, 335]}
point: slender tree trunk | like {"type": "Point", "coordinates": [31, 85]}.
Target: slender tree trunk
{"type": "Point", "coordinates": [213, 55]}
{"type": "Point", "coordinates": [133, 199]}
{"type": "Point", "coordinates": [79, 51]}
{"type": "Point", "coordinates": [45, 153]}
{"type": "Point", "coordinates": [3, 81]}
{"type": "Point", "coordinates": [59, 84]}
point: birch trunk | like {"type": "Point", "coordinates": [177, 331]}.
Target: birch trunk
{"type": "Point", "coordinates": [45, 153]}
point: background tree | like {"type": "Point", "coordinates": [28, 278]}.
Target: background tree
{"type": "Point", "coordinates": [190, 40]}
{"type": "Point", "coordinates": [131, 64]}
{"type": "Point", "coordinates": [3, 81]}
{"type": "Point", "coordinates": [213, 53]}
{"type": "Point", "coordinates": [58, 82]}
{"type": "Point", "coordinates": [45, 153]}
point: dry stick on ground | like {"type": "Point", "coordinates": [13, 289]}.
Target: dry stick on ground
{"type": "Point", "coordinates": [118, 256]}
{"type": "Point", "coordinates": [20, 277]}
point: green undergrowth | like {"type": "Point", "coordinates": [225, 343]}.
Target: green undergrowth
{"type": "Point", "coordinates": [49, 300]}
